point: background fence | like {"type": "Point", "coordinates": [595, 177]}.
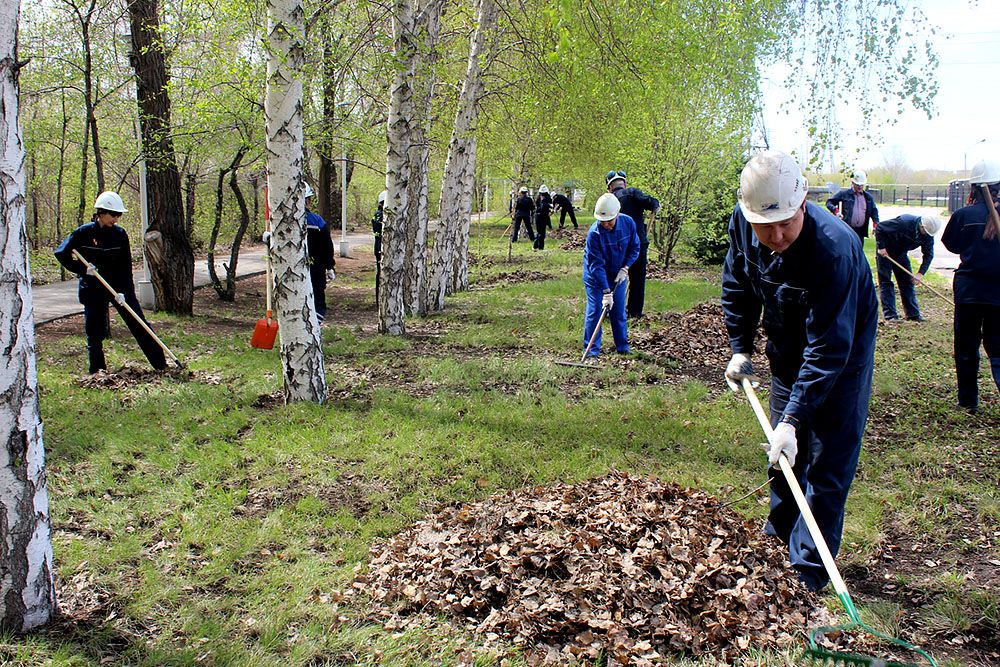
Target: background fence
{"type": "Point", "coordinates": [948, 195]}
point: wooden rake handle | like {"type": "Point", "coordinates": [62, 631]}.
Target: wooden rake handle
{"type": "Point", "coordinates": [942, 296]}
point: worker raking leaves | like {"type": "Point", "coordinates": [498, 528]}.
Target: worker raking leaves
{"type": "Point", "coordinates": [794, 264]}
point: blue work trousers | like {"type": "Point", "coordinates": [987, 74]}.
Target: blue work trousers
{"type": "Point", "coordinates": [975, 324]}
{"type": "Point", "coordinates": [617, 316]}
{"type": "Point", "coordinates": [907, 294]}
{"type": "Point", "coordinates": [829, 446]}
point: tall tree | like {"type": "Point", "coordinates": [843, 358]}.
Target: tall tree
{"type": "Point", "coordinates": [301, 350]}
{"type": "Point", "coordinates": [168, 247]}
{"type": "Point", "coordinates": [459, 168]}
{"type": "Point", "coordinates": [27, 590]}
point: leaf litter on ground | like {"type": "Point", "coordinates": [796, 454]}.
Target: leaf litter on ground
{"type": "Point", "coordinates": [628, 568]}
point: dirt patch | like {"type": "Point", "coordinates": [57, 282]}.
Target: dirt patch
{"type": "Point", "coordinates": [351, 491]}
{"type": "Point", "coordinates": [621, 566]}
{"type": "Point", "coordinates": [520, 276]}
{"type": "Point", "coordinates": [130, 376]}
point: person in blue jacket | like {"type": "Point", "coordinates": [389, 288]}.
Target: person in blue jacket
{"type": "Point", "coordinates": [794, 265]}
{"type": "Point", "coordinates": [612, 246]}
{"type": "Point", "coordinates": [856, 204]}
{"type": "Point", "coordinates": [106, 246]}
{"type": "Point", "coordinates": [635, 203]}
{"type": "Point", "coordinates": [971, 234]}
{"type": "Point", "coordinates": [319, 245]}
{"type": "Point", "coordinates": [894, 238]}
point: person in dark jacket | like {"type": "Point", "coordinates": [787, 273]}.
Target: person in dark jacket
{"type": "Point", "coordinates": [543, 216]}
{"type": "Point", "coordinates": [563, 203]}
{"type": "Point", "coordinates": [797, 266]}
{"type": "Point", "coordinates": [524, 207]}
{"type": "Point", "coordinates": [611, 247]}
{"type": "Point", "coordinates": [896, 237]}
{"type": "Point", "coordinates": [856, 204]}
{"type": "Point", "coordinates": [319, 244]}
{"type": "Point", "coordinates": [377, 231]}
{"type": "Point", "coordinates": [971, 234]}
{"type": "Point", "coordinates": [635, 203]}
{"type": "Point", "coordinates": [106, 246]}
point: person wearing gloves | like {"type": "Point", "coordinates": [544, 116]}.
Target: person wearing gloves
{"type": "Point", "coordinates": [565, 206]}
{"type": "Point", "coordinates": [523, 209]}
{"type": "Point", "coordinates": [972, 234]}
{"type": "Point", "coordinates": [802, 270]}
{"type": "Point", "coordinates": [319, 245]}
{"type": "Point", "coordinates": [106, 246]}
{"type": "Point", "coordinates": [634, 204]}
{"type": "Point", "coordinates": [543, 216]}
{"type": "Point", "coordinates": [611, 247]}
{"type": "Point", "coordinates": [377, 231]}
{"type": "Point", "coordinates": [895, 237]}
{"type": "Point", "coordinates": [856, 204]}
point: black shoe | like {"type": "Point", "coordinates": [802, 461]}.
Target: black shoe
{"type": "Point", "coordinates": [918, 318]}
{"type": "Point", "coordinates": [971, 409]}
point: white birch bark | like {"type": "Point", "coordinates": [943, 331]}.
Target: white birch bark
{"type": "Point", "coordinates": [298, 327]}
{"type": "Point", "coordinates": [428, 28]}
{"type": "Point", "coordinates": [27, 590]}
{"type": "Point", "coordinates": [452, 240]}
{"type": "Point", "coordinates": [397, 209]}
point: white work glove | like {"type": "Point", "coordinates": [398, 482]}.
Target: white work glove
{"type": "Point", "coordinates": [120, 299]}
{"type": "Point", "coordinates": [608, 300]}
{"type": "Point", "coordinates": [266, 238]}
{"type": "Point", "coordinates": [739, 367]}
{"type": "Point", "coordinates": [91, 270]}
{"type": "Point", "coordinates": [331, 274]}
{"type": "Point", "coordinates": [883, 252]}
{"type": "Point", "coordinates": [782, 442]}
{"type": "Point", "coordinates": [622, 275]}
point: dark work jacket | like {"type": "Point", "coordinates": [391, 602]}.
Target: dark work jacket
{"type": "Point", "coordinates": [901, 235]}
{"type": "Point", "coordinates": [543, 204]}
{"type": "Point", "coordinates": [319, 242]}
{"type": "Point", "coordinates": [634, 203]}
{"type": "Point", "coordinates": [818, 303]}
{"type": "Point", "coordinates": [524, 205]}
{"type": "Point", "coordinates": [845, 198]}
{"type": "Point", "coordinates": [377, 230]}
{"type": "Point", "coordinates": [977, 279]}
{"type": "Point", "coordinates": [562, 201]}
{"type": "Point", "coordinates": [107, 248]}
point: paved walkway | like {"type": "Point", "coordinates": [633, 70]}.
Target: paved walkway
{"type": "Point", "coordinates": [58, 300]}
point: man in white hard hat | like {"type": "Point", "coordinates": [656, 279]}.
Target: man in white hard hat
{"type": "Point", "coordinates": [856, 204]}
{"type": "Point", "coordinates": [322, 261]}
{"type": "Point", "coordinates": [377, 231]}
{"type": "Point", "coordinates": [794, 265]}
{"type": "Point", "coordinates": [543, 216]}
{"type": "Point", "coordinates": [972, 232]}
{"type": "Point", "coordinates": [106, 246]}
{"type": "Point", "coordinates": [611, 247]}
{"type": "Point", "coordinates": [895, 237]}
{"type": "Point", "coordinates": [524, 207]}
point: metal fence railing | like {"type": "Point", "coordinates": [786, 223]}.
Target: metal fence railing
{"type": "Point", "coordinates": [948, 195]}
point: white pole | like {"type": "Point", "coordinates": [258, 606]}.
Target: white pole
{"type": "Point", "coordinates": [486, 197]}
{"type": "Point", "coordinates": [343, 201]}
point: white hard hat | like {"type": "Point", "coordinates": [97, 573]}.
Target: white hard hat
{"type": "Point", "coordinates": [523, 189]}
{"type": "Point", "coordinates": [931, 224]}
{"type": "Point", "coordinates": [382, 195]}
{"type": "Point", "coordinates": [607, 207]}
{"type": "Point", "coordinates": [110, 201]}
{"type": "Point", "coordinates": [543, 189]}
{"type": "Point", "coordinates": [309, 191]}
{"type": "Point", "coordinates": [985, 172]}
{"type": "Point", "coordinates": [859, 177]}
{"type": "Point", "coordinates": [772, 188]}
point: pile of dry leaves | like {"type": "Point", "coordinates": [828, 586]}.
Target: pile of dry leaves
{"type": "Point", "coordinates": [696, 337]}
{"type": "Point", "coordinates": [629, 568]}
{"type": "Point", "coordinates": [522, 276]}
{"type": "Point", "coordinates": [132, 376]}
{"type": "Point", "coordinates": [572, 239]}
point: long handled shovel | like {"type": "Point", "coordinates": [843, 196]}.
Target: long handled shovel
{"type": "Point", "coordinates": [815, 650]}
{"type": "Point", "coordinates": [123, 304]}
{"type": "Point", "coordinates": [593, 337]}
{"type": "Point", "coordinates": [266, 329]}
{"type": "Point", "coordinates": [905, 270]}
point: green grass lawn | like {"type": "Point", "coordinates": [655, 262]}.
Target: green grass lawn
{"type": "Point", "coordinates": [197, 522]}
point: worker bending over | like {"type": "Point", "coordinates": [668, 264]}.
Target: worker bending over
{"type": "Point", "coordinates": [895, 237]}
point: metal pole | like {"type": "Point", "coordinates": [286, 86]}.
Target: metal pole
{"type": "Point", "coordinates": [343, 202]}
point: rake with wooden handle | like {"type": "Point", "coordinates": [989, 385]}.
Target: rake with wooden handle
{"type": "Point", "coordinates": [921, 282]}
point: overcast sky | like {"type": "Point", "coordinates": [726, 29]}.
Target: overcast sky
{"type": "Point", "coordinates": [969, 49]}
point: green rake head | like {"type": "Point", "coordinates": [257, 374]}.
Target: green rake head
{"type": "Point", "coordinates": [818, 655]}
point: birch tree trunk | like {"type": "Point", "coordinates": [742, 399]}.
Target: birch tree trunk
{"type": "Point", "coordinates": [27, 590]}
{"type": "Point", "coordinates": [428, 28]}
{"type": "Point", "coordinates": [298, 326]}
{"type": "Point", "coordinates": [397, 209]}
{"type": "Point", "coordinates": [460, 167]}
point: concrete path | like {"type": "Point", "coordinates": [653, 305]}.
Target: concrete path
{"type": "Point", "coordinates": [58, 300]}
